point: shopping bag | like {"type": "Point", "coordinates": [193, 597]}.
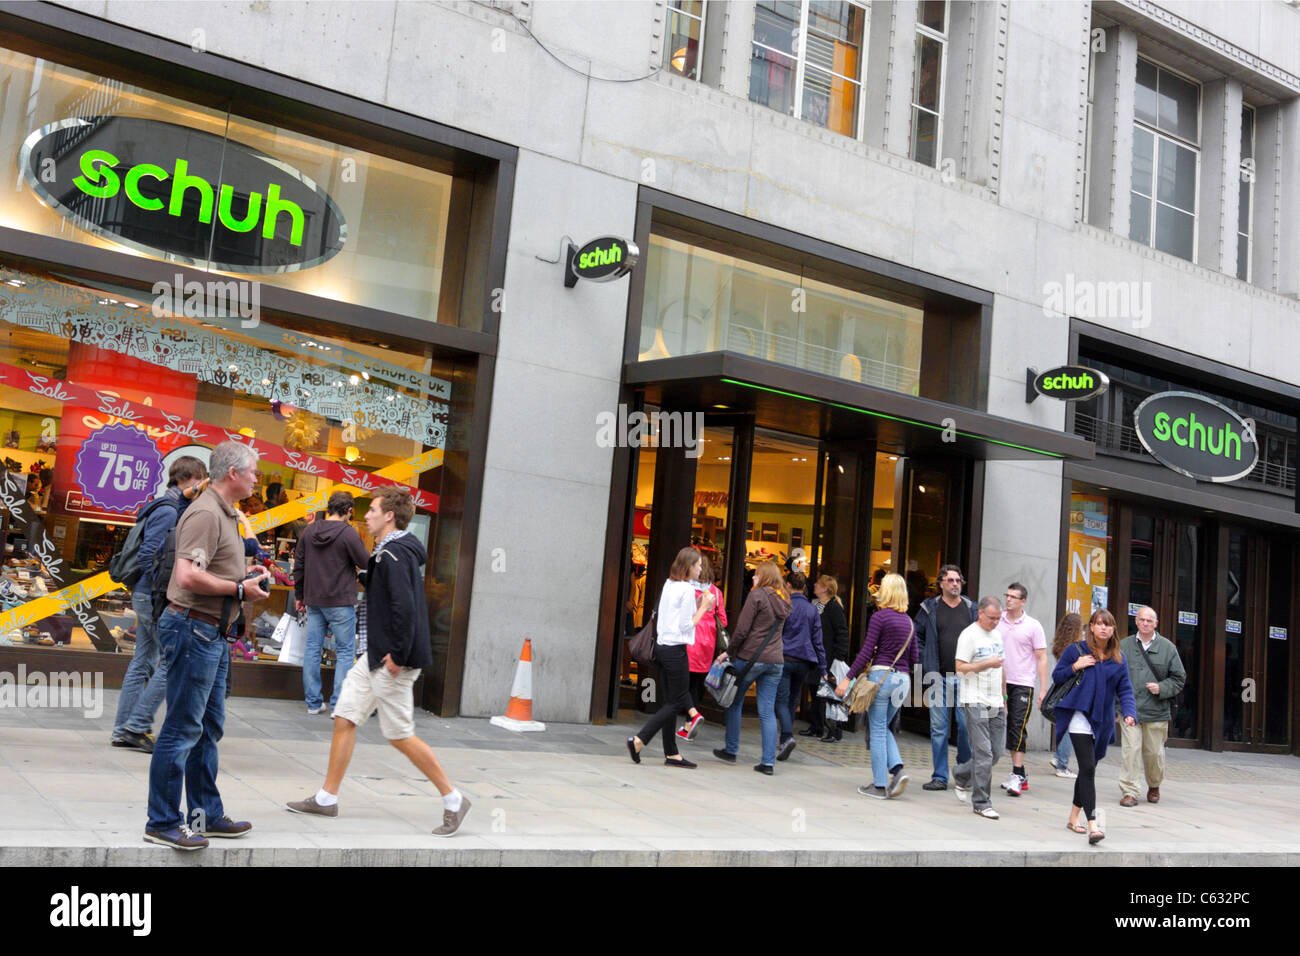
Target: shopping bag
{"type": "Point", "coordinates": [292, 635]}
{"type": "Point", "coordinates": [721, 683]}
{"type": "Point", "coordinates": [836, 709]}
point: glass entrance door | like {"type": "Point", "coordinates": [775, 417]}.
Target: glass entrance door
{"type": "Point", "coordinates": [1165, 574]}
{"type": "Point", "coordinates": [1256, 672]}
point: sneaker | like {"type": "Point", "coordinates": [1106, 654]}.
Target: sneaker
{"type": "Point", "coordinates": [178, 838]}
{"type": "Point", "coordinates": [1053, 762]}
{"type": "Point", "coordinates": [724, 756]}
{"type": "Point", "coordinates": [935, 785]}
{"type": "Point", "coordinates": [311, 806]}
{"type": "Point", "coordinates": [764, 768]}
{"type": "Point", "coordinates": [320, 709]}
{"type": "Point", "coordinates": [692, 726]}
{"type": "Point", "coordinates": [1024, 783]}
{"type": "Point", "coordinates": [451, 821]}
{"type": "Point", "coordinates": [783, 752]}
{"type": "Point", "coordinates": [880, 793]}
{"type": "Point", "coordinates": [1066, 772]}
{"type": "Point", "coordinates": [897, 784]}
{"type": "Point", "coordinates": [1012, 785]}
{"type": "Point", "coordinates": [682, 734]}
{"type": "Point", "coordinates": [133, 741]}
{"type": "Point", "coordinates": [988, 813]}
{"type": "Point", "coordinates": [227, 828]}
{"type": "Point", "coordinates": [963, 793]}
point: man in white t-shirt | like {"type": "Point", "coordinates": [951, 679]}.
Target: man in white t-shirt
{"type": "Point", "coordinates": [1026, 652]}
{"type": "Point", "coordinates": [983, 694]}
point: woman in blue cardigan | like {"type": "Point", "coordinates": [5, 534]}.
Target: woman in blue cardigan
{"type": "Point", "coordinates": [1087, 713]}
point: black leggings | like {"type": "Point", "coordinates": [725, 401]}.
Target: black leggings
{"type": "Point", "coordinates": [674, 674]}
{"type": "Point", "coordinates": [1085, 785]}
{"type": "Point", "coordinates": [696, 689]}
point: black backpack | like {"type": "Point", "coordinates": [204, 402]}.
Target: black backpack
{"type": "Point", "coordinates": [125, 567]}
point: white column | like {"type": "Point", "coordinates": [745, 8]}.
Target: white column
{"type": "Point", "coordinates": [734, 45]}
{"type": "Point", "coordinates": [1220, 175]}
{"type": "Point", "coordinates": [1114, 89]}
{"type": "Point", "coordinates": [891, 52]}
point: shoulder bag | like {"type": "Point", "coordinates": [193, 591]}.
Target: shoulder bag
{"type": "Point", "coordinates": [723, 680]}
{"type": "Point", "coordinates": [1058, 692]}
{"type": "Point", "coordinates": [723, 641]}
{"type": "Point", "coordinates": [864, 689]}
{"type": "Point", "coordinates": [642, 644]}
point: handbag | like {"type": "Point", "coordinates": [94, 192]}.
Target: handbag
{"type": "Point", "coordinates": [292, 635]}
{"type": "Point", "coordinates": [641, 645]}
{"type": "Point", "coordinates": [728, 680]}
{"type": "Point", "coordinates": [723, 641]}
{"type": "Point", "coordinates": [1057, 693]}
{"type": "Point", "coordinates": [863, 691]}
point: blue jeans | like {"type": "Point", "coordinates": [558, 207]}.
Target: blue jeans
{"type": "Point", "coordinates": [793, 675]}
{"type": "Point", "coordinates": [198, 669]}
{"type": "Point", "coordinates": [145, 683]}
{"type": "Point", "coordinates": [1063, 751]}
{"type": "Point", "coordinates": [939, 729]}
{"type": "Point", "coordinates": [767, 677]}
{"type": "Point", "coordinates": [342, 623]}
{"type": "Point", "coordinates": [880, 740]}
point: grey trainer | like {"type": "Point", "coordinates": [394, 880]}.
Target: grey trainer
{"type": "Point", "coordinates": [451, 821]}
{"type": "Point", "coordinates": [311, 806]}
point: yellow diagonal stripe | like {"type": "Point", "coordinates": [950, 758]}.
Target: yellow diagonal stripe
{"type": "Point", "coordinates": [100, 584]}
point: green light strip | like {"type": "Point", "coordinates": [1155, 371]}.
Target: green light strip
{"type": "Point", "coordinates": [892, 418]}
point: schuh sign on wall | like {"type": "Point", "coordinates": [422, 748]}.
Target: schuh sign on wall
{"type": "Point", "coordinates": [1196, 436]}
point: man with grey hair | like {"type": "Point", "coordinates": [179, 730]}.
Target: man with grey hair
{"type": "Point", "coordinates": [207, 586]}
{"type": "Point", "coordinates": [1158, 676]}
{"type": "Point", "coordinates": [983, 694]}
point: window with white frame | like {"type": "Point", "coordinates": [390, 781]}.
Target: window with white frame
{"type": "Point", "coordinates": [1245, 192]}
{"type": "Point", "coordinates": [927, 80]}
{"type": "Point", "coordinates": [807, 61]}
{"type": "Point", "coordinates": [1166, 157]}
{"type": "Point", "coordinates": [684, 37]}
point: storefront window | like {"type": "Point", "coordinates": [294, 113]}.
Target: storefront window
{"type": "Point", "coordinates": [98, 397]}
{"type": "Point", "coordinates": [98, 161]}
{"type": "Point", "coordinates": [701, 300]}
{"type": "Point", "coordinates": [1087, 582]}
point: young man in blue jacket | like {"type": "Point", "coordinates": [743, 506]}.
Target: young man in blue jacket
{"type": "Point", "coordinates": [394, 637]}
{"type": "Point", "coordinates": [145, 684]}
{"type": "Point", "coordinates": [939, 622]}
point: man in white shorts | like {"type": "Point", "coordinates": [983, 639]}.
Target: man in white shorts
{"type": "Point", "coordinates": [394, 636]}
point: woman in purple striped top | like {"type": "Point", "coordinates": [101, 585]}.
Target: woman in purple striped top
{"type": "Point", "coordinates": [890, 652]}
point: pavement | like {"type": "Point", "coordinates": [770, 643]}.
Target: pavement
{"type": "Point", "coordinates": [571, 796]}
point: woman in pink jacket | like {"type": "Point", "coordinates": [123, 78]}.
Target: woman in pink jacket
{"type": "Point", "coordinates": [700, 654]}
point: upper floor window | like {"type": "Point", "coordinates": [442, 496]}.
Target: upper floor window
{"type": "Point", "coordinates": [1245, 191]}
{"type": "Point", "coordinates": [1166, 154]}
{"type": "Point", "coordinates": [927, 80]}
{"type": "Point", "coordinates": [685, 37]}
{"type": "Point", "coordinates": [807, 61]}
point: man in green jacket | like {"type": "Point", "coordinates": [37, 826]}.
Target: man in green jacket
{"type": "Point", "coordinates": [1157, 675]}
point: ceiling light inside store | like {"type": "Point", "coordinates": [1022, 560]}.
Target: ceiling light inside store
{"type": "Point", "coordinates": [841, 468]}
{"type": "Point", "coordinates": [366, 376]}
{"type": "Point", "coordinates": [354, 379]}
{"type": "Point", "coordinates": [893, 458]}
{"type": "Point", "coordinates": [234, 368]}
{"type": "Point", "coordinates": [266, 381]}
{"type": "Point", "coordinates": [921, 488]}
{"type": "Point", "coordinates": [721, 406]}
{"type": "Point", "coordinates": [16, 283]}
{"type": "Point", "coordinates": [351, 453]}
{"type": "Point", "coordinates": [130, 305]}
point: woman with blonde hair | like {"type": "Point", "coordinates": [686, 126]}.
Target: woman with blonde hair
{"type": "Point", "coordinates": [1087, 712]}
{"type": "Point", "coordinates": [758, 658]}
{"type": "Point", "coordinates": [835, 638]}
{"type": "Point", "coordinates": [890, 651]}
{"type": "Point", "coordinates": [675, 631]}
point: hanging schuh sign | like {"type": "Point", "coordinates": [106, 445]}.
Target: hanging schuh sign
{"type": "Point", "coordinates": [1069, 383]}
{"type": "Point", "coordinates": [601, 260]}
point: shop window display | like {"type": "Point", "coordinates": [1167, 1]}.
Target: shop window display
{"type": "Point", "coordinates": [98, 395]}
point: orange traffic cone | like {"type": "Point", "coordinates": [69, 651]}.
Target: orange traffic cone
{"type": "Point", "coordinates": [519, 712]}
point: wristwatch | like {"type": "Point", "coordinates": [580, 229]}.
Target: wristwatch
{"type": "Point", "coordinates": [239, 592]}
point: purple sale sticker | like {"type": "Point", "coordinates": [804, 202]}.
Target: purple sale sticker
{"type": "Point", "coordinates": [118, 467]}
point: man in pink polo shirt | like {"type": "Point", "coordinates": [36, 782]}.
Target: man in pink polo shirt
{"type": "Point", "coordinates": [1025, 649]}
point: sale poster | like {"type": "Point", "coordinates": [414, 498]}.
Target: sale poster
{"type": "Point", "coordinates": [118, 467]}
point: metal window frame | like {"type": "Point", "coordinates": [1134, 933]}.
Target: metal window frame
{"type": "Point", "coordinates": [942, 38]}
{"type": "Point", "coordinates": [1195, 147]}
{"type": "Point", "coordinates": [800, 56]}
{"type": "Point", "coordinates": [703, 18]}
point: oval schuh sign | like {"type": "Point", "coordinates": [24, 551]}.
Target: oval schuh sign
{"type": "Point", "coordinates": [183, 194]}
{"type": "Point", "coordinates": [1196, 436]}
{"type": "Point", "coordinates": [604, 259]}
{"type": "Point", "coordinates": [1071, 383]}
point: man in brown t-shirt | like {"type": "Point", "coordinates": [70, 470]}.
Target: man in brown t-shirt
{"type": "Point", "coordinates": [206, 588]}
